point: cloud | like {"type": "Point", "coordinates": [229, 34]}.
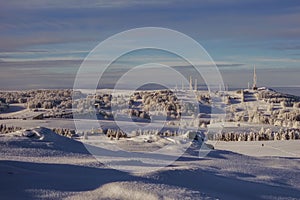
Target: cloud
{"type": "Point", "coordinates": [281, 60]}
{"type": "Point", "coordinates": [287, 46]}
{"type": "Point", "coordinates": [62, 26]}
{"type": "Point", "coordinates": [42, 55]}
{"type": "Point", "coordinates": [230, 65]}
{"type": "Point", "coordinates": [44, 4]}
{"type": "Point", "coordinates": [41, 4]}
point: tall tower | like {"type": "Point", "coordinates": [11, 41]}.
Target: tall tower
{"type": "Point", "coordinates": [191, 84]}
{"type": "Point", "coordinates": [195, 86]}
{"type": "Point", "coordinates": [254, 87]}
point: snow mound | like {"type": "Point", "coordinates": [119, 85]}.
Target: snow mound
{"type": "Point", "coordinates": [42, 139]}
{"type": "Point", "coordinates": [139, 190]}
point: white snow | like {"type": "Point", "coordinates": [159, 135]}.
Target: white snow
{"type": "Point", "coordinates": [39, 164]}
{"type": "Point", "coordinates": [50, 166]}
{"type": "Point", "coordinates": [285, 148]}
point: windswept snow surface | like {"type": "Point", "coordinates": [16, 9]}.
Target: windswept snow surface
{"type": "Point", "coordinates": [284, 148]}
{"type": "Point", "coordinates": [49, 166]}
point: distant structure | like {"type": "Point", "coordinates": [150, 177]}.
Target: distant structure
{"type": "Point", "coordinates": [254, 86]}
{"type": "Point", "coordinates": [195, 86]}
{"type": "Point", "coordinates": [191, 83]}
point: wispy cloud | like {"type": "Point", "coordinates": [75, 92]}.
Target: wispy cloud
{"type": "Point", "coordinates": [281, 60]}
{"type": "Point", "coordinates": [236, 33]}
{"type": "Point", "coordinates": [287, 46]}
{"type": "Point", "coordinates": [42, 4]}
{"type": "Point", "coordinates": [33, 4]}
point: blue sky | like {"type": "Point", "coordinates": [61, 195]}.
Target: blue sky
{"type": "Point", "coordinates": [50, 38]}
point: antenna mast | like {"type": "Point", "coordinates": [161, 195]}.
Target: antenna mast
{"type": "Point", "coordinates": [254, 87]}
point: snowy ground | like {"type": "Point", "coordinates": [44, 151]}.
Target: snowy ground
{"type": "Point", "coordinates": [286, 148]}
{"type": "Point", "coordinates": [50, 166]}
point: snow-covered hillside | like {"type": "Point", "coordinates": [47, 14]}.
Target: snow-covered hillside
{"type": "Point", "coordinates": [49, 166]}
